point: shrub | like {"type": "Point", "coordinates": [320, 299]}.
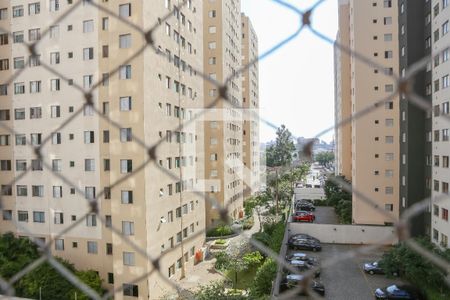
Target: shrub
{"type": "Point", "coordinates": [248, 223]}
{"type": "Point", "coordinates": [220, 242]}
{"type": "Point", "coordinates": [272, 236]}
{"type": "Point", "coordinates": [252, 259]}
{"type": "Point", "coordinates": [221, 230]}
{"type": "Point", "coordinates": [216, 291]}
{"type": "Point", "coordinates": [262, 283]}
{"type": "Point", "coordinates": [222, 260]}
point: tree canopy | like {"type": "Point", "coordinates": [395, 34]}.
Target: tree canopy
{"type": "Point", "coordinates": [280, 154]}
{"type": "Point", "coordinates": [324, 158]}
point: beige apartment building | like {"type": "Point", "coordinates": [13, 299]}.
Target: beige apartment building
{"type": "Point", "coordinates": [250, 103]}
{"type": "Point", "coordinates": [372, 30]}
{"type": "Point", "coordinates": [440, 14]}
{"type": "Point", "coordinates": [223, 125]}
{"type": "Point", "coordinates": [343, 104]}
{"type": "Point", "coordinates": [149, 96]}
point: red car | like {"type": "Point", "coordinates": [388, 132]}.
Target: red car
{"type": "Point", "coordinates": [303, 216]}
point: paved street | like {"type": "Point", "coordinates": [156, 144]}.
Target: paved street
{"type": "Point", "coordinates": [326, 215]}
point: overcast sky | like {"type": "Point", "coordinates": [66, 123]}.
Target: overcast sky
{"type": "Point", "coordinates": [296, 83]}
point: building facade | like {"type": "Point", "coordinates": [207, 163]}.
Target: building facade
{"type": "Point", "coordinates": [223, 125]}
{"type": "Point", "coordinates": [372, 30]}
{"type": "Point", "coordinates": [150, 96]}
{"type": "Point", "coordinates": [250, 104]}
{"type": "Point", "coordinates": [440, 39]}
{"type": "Point", "coordinates": [415, 123]}
{"type": "Point", "coordinates": [343, 106]}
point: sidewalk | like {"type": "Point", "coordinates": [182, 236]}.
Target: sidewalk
{"type": "Point", "coordinates": [204, 272]}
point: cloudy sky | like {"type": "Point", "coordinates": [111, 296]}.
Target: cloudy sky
{"type": "Point", "coordinates": [296, 82]}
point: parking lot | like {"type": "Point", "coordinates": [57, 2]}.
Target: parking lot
{"type": "Point", "coordinates": [346, 280]}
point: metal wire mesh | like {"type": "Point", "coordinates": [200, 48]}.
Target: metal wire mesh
{"type": "Point", "coordinates": [403, 86]}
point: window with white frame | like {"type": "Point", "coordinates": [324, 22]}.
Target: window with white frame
{"type": "Point", "coordinates": [127, 228]}
{"type": "Point", "coordinates": [125, 41]}
{"type": "Point", "coordinates": [88, 26]}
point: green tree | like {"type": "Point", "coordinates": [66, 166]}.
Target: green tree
{"type": "Point", "coordinates": [324, 158]}
{"type": "Point", "coordinates": [280, 154]}
{"type": "Point", "coordinates": [215, 291]}
{"type": "Point", "coordinates": [417, 269]}
{"type": "Point", "coordinates": [262, 284]}
{"type": "Point", "coordinates": [17, 253]}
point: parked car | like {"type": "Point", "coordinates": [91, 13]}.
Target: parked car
{"type": "Point", "coordinates": [292, 281]}
{"type": "Point", "coordinates": [303, 236]}
{"type": "Point", "coordinates": [303, 216]}
{"type": "Point", "coordinates": [304, 266]}
{"type": "Point", "coordinates": [375, 268]}
{"type": "Point", "coordinates": [398, 292]}
{"type": "Point", "coordinates": [305, 206]}
{"type": "Point", "coordinates": [299, 244]}
{"type": "Point", "coordinates": [302, 256]}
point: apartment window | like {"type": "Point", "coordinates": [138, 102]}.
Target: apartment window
{"type": "Point", "coordinates": [444, 240]}
{"type": "Point", "coordinates": [92, 247]}
{"type": "Point", "coordinates": [389, 190]}
{"type": "Point", "coordinates": [445, 28]}
{"type": "Point", "coordinates": [389, 139]}
{"type": "Point", "coordinates": [88, 53]}
{"type": "Point", "coordinates": [436, 185]}
{"type": "Point", "coordinates": [54, 5]}
{"type": "Point", "coordinates": [109, 249]}
{"type": "Point", "coordinates": [4, 140]}
{"type": "Point", "coordinates": [445, 81]}
{"type": "Point", "coordinates": [57, 191]}
{"type": "Point", "coordinates": [126, 166]}
{"type": "Point", "coordinates": [5, 165]}
{"type": "Point", "coordinates": [387, 20]}
{"type": "Point", "coordinates": [59, 244]}
{"type": "Point", "coordinates": [22, 190]}
{"type": "Point", "coordinates": [125, 72]}
{"type": "Point", "coordinates": [445, 161]}
{"type": "Point", "coordinates": [4, 39]}
{"type": "Point", "coordinates": [388, 37]}
{"type": "Point", "coordinates": [59, 218]}
{"type": "Point", "coordinates": [38, 217]}
{"type": "Point", "coordinates": [7, 215]}
{"type": "Point", "coordinates": [54, 85]}
{"type": "Point", "coordinates": [445, 187]}
{"type": "Point", "coordinates": [389, 207]}
{"type": "Point", "coordinates": [127, 197]}
{"type": "Point", "coordinates": [17, 11]}
{"type": "Point", "coordinates": [436, 135]}
{"type": "Point", "coordinates": [54, 32]}
{"type": "Point", "coordinates": [88, 81]}
{"type": "Point", "coordinates": [56, 165]}
{"type": "Point", "coordinates": [128, 259]}
{"type": "Point", "coordinates": [19, 114]}
{"type": "Point", "coordinates": [125, 135]}
{"type": "Point", "coordinates": [444, 3]}
{"type": "Point", "coordinates": [212, 45]}
{"type": "Point", "coordinates": [89, 137]}
{"type": "Point", "coordinates": [125, 41]}
{"type": "Point", "coordinates": [445, 108]}
{"type": "Point", "coordinates": [131, 290]}
{"type": "Point", "coordinates": [4, 64]}
{"type": "Point", "coordinates": [55, 111]}
{"type": "Point", "coordinates": [105, 51]}
{"type": "Point", "coordinates": [54, 58]}
{"type": "Point", "coordinates": [88, 26]}
{"type": "Point", "coordinates": [89, 165]}
{"type": "Point", "coordinates": [436, 210]}
{"type": "Point", "coordinates": [389, 156]}
{"type": "Point", "coordinates": [22, 216]}
{"type": "Point", "coordinates": [89, 192]}
{"type": "Point", "coordinates": [19, 88]}
{"type": "Point", "coordinates": [125, 103]}
{"type": "Point", "coordinates": [37, 190]}
{"type": "Point", "coordinates": [444, 135]}
{"type": "Point", "coordinates": [106, 164]}
{"type": "Point", "coordinates": [389, 122]}
{"type": "Point", "coordinates": [18, 37]}
{"type": "Point", "coordinates": [444, 214]}
{"type": "Point", "coordinates": [125, 10]}
{"type": "Point", "coordinates": [387, 3]}
{"type": "Point", "coordinates": [91, 220]}
{"type": "Point", "coordinates": [127, 228]}
{"type": "Point", "coordinates": [35, 112]}
{"type": "Point", "coordinates": [388, 54]}
{"type": "Point", "coordinates": [34, 34]}
{"type": "Point", "coordinates": [34, 8]}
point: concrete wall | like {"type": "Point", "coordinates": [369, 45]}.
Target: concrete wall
{"type": "Point", "coordinates": [309, 193]}
{"type": "Point", "coordinates": [346, 234]}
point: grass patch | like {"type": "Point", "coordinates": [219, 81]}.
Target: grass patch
{"type": "Point", "coordinates": [244, 278]}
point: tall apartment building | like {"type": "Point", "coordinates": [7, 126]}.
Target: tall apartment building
{"type": "Point", "coordinates": [150, 96]}
{"type": "Point", "coordinates": [223, 123]}
{"type": "Point", "coordinates": [415, 123]}
{"type": "Point", "coordinates": [343, 104]}
{"type": "Point", "coordinates": [440, 124]}
{"type": "Point", "coordinates": [250, 103]}
{"type": "Point", "coordinates": [372, 29]}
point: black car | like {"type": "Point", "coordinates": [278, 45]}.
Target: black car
{"type": "Point", "coordinates": [292, 280]}
{"type": "Point", "coordinates": [302, 256]}
{"type": "Point", "coordinates": [303, 236]}
{"type": "Point", "coordinates": [375, 268]}
{"type": "Point", "coordinates": [299, 244]}
{"type": "Point", "coordinates": [305, 206]}
{"type": "Point", "coordinates": [398, 292]}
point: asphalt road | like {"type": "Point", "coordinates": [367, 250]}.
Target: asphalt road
{"type": "Point", "coordinates": [326, 215]}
